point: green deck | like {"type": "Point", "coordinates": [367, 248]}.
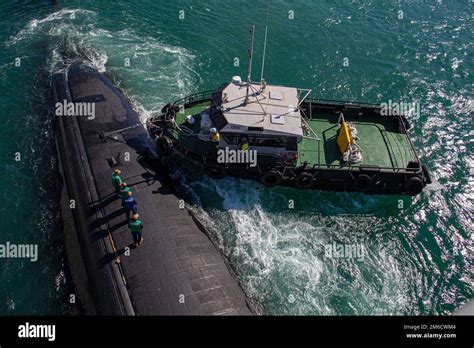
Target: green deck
{"type": "Point", "coordinates": [194, 110]}
{"type": "Point", "coordinates": [192, 142]}
{"type": "Point", "coordinates": [381, 142]}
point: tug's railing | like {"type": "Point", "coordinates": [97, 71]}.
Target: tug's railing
{"type": "Point", "coordinates": [310, 99]}
{"type": "Point", "coordinates": [196, 97]}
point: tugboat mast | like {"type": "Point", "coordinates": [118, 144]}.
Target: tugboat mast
{"type": "Point", "coordinates": [262, 81]}
{"type": "Point", "coordinates": [250, 51]}
{"type": "Point", "coordinates": [263, 59]}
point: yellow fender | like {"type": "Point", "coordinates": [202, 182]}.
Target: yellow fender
{"type": "Point", "coordinates": [344, 137]}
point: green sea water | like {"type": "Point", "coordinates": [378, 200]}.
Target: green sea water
{"type": "Point", "coordinates": [418, 252]}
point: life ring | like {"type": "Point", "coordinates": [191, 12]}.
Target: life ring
{"type": "Point", "coordinates": [216, 171]}
{"type": "Point", "coordinates": [164, 145]}
{"type": "Point", "coordinates": [413, 186]}
{"type": "Point", "coordinates": [362, 182]}
{"type": "Point", "coordinates": [290, 157]}
{"type": "Point", "coordinates": [271, 178]}
{"type": "Point", "coordinates": [304, 181]}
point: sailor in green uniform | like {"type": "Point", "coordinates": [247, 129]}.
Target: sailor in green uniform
{"type": "Point", "coordinates": [124, 190]}
{"type": "Point", "coordinates": [136, 226]}
{"type": "Point", "coordinates": [117, 180]}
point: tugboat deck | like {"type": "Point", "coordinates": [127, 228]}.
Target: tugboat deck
{"type": "Point", "coordinates": [380, 140]}
{"type": "Point", "coordinates": [195, 111]}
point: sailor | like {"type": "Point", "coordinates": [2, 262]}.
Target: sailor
{"type": "Point", "coordinates": [136, 227]}
{"type": "Point", "coordinates": [124, 189]}
{"type": "Point", "coordinates": [117, 180]}
{"type": "Point", "coordinates": [244, 144]}
{"type": "Point", "coordinates": [214, 135]}
{"type": "Point", "coordinates": [129, 203]}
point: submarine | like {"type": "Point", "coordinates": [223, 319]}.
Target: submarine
{"type": "Point", "coordinates": [178, 270]}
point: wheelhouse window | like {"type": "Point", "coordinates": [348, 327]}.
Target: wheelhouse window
{"type": "Point", "coordinates": [267, 141]}
{"type": "Point", "coordinates": [259, 140]}
{"type": "Point", "coordinates": [231, 138]}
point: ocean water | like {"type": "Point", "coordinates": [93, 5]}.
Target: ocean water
{"type": "Point", "coordinates": [416, 253]}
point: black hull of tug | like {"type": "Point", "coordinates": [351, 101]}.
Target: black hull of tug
{"type": "Point", "coordinates": [367, 180]}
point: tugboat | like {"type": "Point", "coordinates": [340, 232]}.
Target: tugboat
{"type": "Point", "coordinates": [281, 135]}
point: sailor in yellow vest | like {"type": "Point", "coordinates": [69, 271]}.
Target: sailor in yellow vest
{"type": "Point", "coordinates": [244, 144]}
{"type": "Point", "coordinates": [214, 135]}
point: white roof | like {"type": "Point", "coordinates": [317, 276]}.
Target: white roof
{"type": "Point", "coordinates": [275, 109]}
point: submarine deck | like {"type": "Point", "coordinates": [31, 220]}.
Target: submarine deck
{"type": "Point", "coordinates": [177, 270]}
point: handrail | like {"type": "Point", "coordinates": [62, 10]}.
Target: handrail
{"type": "Point", "coordinates": [312, 99]}
{"type": "Point", "coordinates": [341, 102]}
{"type": "Point", "coordinates": [342, 166]}
{"type": "Point", "coordinates": [204, 95]}
{"type": "Point", "coordinates": [412, 147]}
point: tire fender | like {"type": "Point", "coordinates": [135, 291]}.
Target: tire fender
{"type": "Point", "coordinates": [215, 171]}
{"type": "Point", "coordinates": [164, 145]}
{"type": "Point", "coordinates": [304, 180]}
{"type": "Point", "coordinates": [361, 182]}
{"type": "Point", "coordinates": [413, 186]}
{"type": "Point", "coordinates": [271, 178]}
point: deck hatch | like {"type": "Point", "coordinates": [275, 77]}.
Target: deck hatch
{"type": "Point", "coordinates": [278, 119]}
{"type": "Point", "coordinates": [276, 95]}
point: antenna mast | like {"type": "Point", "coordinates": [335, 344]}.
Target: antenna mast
{"type": "Point", "coordinates": [250, 51]}
{"type": "Point", "coordinates": [264, 49]}
{"type": "Point", "coordinates": [264, 46]}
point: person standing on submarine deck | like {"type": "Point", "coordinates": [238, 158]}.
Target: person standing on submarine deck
{"type": "Point", "coordinates": [129, 203]}
{"type": "Point", "coordinates": [117, 180]}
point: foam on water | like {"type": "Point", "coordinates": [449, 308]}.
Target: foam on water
{"type": "Point", "coordinates": [36, 24]}
{"type": "Point", "coordinates": [150, 71]}
{"type": "Point", "coordinates": [280, 258]}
